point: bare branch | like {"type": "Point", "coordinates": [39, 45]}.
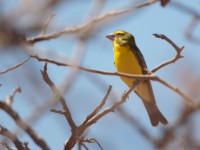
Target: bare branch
{"type": "Point", "coordinates": [5, 132]}
{"type": "Point", "coordinates": [114, 106]}
{"type": "Point", "coordinates": [9, 99]}
{"type": "Point", "coordinates": [84, 30]}
{"type": "Point", "coordinates": [94, 70]}
{"type": "Point", "coordinates": [67, 112]}
{"type": "Point", "coordinates": [58, 111]}
{"type": "Point", "coordinates": [169, 133]}
{"type": "Point", "coordinates": [83, 145]}
{"type": "Point", "coordinates": [96, 110]}
{"type": "Point", "coordinates": [26, 145]}
{"type": "Point", "coordinates": [193, 23]}
{"type": "Point", "coordinates": [93, 21]}
{"type": "Point", "coordinates": [186, 99]}
{"type": "Point", "coordinates": [190, 29]}
{"type": "Point", "coordinates": [7, 146]}
{"type": "Point", "coordinates": [46, 24]}
{"type": "Point", "coordinates": [36, 138]}
{"type": "Point", "coordinates": [96, 116]}
{"type": "Point", "coordinates": [172, 60]}
{"type": "Point", "coordinates": [15, 66]}
{"type": "Point", "coordinates": [149, 77]}
{"type": "Point", "coordinates": [185, 8]}
{"type": "Point", "coordinates": [92, 140]}
{"type": "Point", "coordinates": [69, 144]}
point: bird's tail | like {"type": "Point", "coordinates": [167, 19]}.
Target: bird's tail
{"type": "Point", "coordinates": [154, 114]}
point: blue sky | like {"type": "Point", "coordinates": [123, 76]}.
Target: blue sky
{"type": "Point", "coordinates": [98, 54]}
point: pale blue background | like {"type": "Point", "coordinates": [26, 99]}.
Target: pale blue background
{"type": "Point", "coordinates": [111, 131]}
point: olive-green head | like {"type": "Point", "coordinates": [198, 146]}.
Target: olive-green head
{"type": "Point", "coordinates": [122, 38]}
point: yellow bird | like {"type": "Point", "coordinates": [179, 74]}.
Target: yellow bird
{"type": "Point", "coordinates": [128, 59]}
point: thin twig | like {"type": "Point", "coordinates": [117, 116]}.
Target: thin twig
{"type": "Point", "coordinates": [69, 144]}
{"type": "Point", "coordinates": [15, 66]}
{"type": "Point", "coordinates": [113, 106]}
{"type": "Point", "coordinates": [172, 60]}
{"type": "Point", "coordinates": [6, 145]}
{"type": "Point", "coordinates": [83, 145]}
{"type": "Point", "coordinates": [36, 138]}
{"type": "Point", "coordinates": [92, 140]}
{"type": "Point", "coordinates": [96, 116]}
{"type": "Point", "coordinates": [46, 24]}
{"type": "Point", "coordinates": [67, 112]}
{"type": "Point", "coordinates": [193, 23]}
{"type": "Point", "coordinates": [185, 8]}
{"type": "Point", "coordinates": [94, 112]}
{"type": "Point", "coordinates": [93, 21]}
{"type": "Point", "coordinates": [93, 70]}
{"type": "Point", "coordinates": [83, 126]}
{"type": "Point", "coordinates": [9, 99]}
{"type": "Point", "coordinates": [5, 132]}
{"type": "Point", "coordinates": [26, 145]}
{"type": "Point", "coordinates": [149, 76]}
{"type": "Point", "coordinates": [186, 99]}
{"type": "Point", "coordinates": [189, 30]}
{"type": "Point", "coordinates": [169, 133]}
{"type": "Point", "coordinates": [58, 111]}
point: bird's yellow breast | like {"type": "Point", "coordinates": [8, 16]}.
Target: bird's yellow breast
{"type": "Point", "coordinates": [126, 62]}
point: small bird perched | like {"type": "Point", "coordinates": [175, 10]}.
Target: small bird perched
{"type": "Point", "coordinates": [128, 59]}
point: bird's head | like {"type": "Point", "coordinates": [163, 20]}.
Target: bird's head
{"type": "Point", "coordinates": [121, 37]}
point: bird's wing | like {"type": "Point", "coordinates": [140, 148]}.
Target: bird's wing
{"type": "Point", "coordinates": [144, 90]}
{"type": "Point", "coordinates": [139, 58]}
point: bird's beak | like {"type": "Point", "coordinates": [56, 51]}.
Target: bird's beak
{"type": "Point", "coordinates": [111, 36]}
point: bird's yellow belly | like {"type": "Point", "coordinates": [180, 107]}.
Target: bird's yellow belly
{"type": "Point", "coordinates": [126, 62]}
